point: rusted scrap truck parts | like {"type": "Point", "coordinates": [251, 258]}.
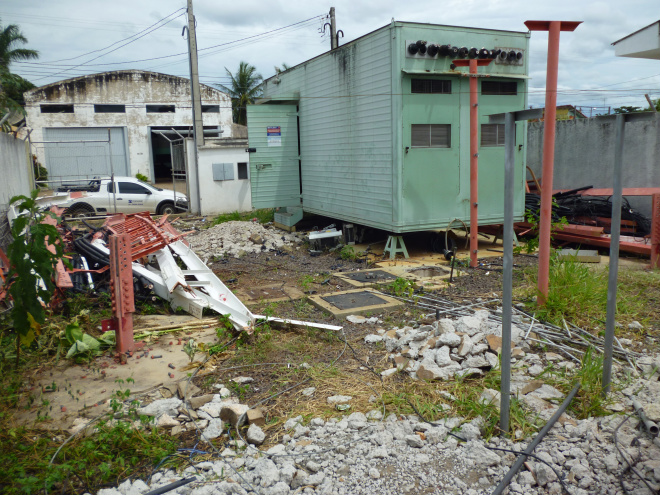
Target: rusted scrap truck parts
{"type": "Point", "coordinates": [530, 448]}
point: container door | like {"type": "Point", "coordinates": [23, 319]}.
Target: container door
{"type": "Point", "coordinates": [274, 165]}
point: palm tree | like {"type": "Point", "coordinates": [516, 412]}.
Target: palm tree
{"type": "Point", "coordinates": [244, 89]}
{"type": "Point", "coordinates": [12, 85]}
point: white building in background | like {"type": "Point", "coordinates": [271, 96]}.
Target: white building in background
{"type": "Point", "coordinates": [137, 106]}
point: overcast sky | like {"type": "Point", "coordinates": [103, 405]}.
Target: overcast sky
{"type": "Point", "coordinates": [66, 31]}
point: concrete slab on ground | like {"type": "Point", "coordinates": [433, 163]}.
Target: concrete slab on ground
{"type": "Point", "coordinates": [354, 302]}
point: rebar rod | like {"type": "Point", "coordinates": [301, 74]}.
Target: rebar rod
{"type": "Point", "coordinates": [530, 448]}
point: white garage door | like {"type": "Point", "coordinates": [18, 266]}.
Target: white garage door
{"type": "Point", "coordinates": [85, 159]}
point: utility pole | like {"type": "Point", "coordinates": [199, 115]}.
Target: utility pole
{"type": "Point", "coordinates": [333, 29]}
{"type": "Point", "coordinates": [198, 125]}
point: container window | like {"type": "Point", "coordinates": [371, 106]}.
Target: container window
{"type": "Point", "coordinates": [499, 88]}
{"type": "Point", "coordinates": [160, 108]}
{"type": "Point", "coordinates": [56, 108]}
{"type": "Point", "coordinates": [242, 171]}
{"type": "Point", "coordinates": [223, 171]}
{"type": "Point", "coordinates": [430, 86]}
{"type": "Point", "coordinates": [492, 134]}
{"type": "Point", "coordinates": [109, 108]}
{"type": "Point", "coordinates": [210, 108]}
{"type": "Point", "coordinates": [430, 135]}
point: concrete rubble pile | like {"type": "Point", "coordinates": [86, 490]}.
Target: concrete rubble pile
{"type": "Point", "coordinates": [365, 453]}
{"type": "Point", "coordinates": [450, 348]}
{"type": "Point", "coordinates": [236, 239]}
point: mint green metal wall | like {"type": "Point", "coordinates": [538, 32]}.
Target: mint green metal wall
{"type": "Point", "coordinates": [355, 110]}
{"type": "Point", "coordinates": [436, 181]}
{"type": "Point", "coordinates": [345, 110]}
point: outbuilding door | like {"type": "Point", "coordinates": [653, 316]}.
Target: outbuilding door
{"type": "Point", "coordinates": [275, 161]}
{"type": "Point", "coordinates": [69, 155]}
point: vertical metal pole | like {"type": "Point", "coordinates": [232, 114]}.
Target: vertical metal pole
{"type": "Point", "coordinates": [548, 159]}
{"type": "Point", "coordinates": [474, 165]}
{"type": "Point", "coordinates": [507, 281]}
{"type": "Point", "coordinates": [617, 191]}
{"type": "Point", "coordinates": [198, 125]}
{"type": "Point", "coordinates": [333, 29]}
{"type": "Point", "coordinates": [112, 173]}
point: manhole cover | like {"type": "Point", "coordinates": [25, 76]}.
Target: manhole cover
{"type": "Point", "coordinates": [429, 271]}
{"type": "Point", "coordinates": [354, 300]}
{"type": "Point", "coordinates": [369, 276]}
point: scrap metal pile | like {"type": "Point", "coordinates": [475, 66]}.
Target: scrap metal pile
{"type": "Point", "coordinates": [591, 210]}
{"type": "Point", "coordinates": [162, 262]}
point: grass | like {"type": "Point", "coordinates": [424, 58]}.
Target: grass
{"type": "Point", "coordinates": [589, 401]}
{"type": "Point", "coordinates": [466, 403]}
{"type": "Point", "coordinates": [578, 293]}
{"type": "Point", "coordinates": [262, 216]}
{"type": "Point", "coordinates": [115, 451]}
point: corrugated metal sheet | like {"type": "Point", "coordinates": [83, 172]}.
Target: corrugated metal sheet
{"type": "Point", "coordinates": [85, 159]}
{"type": "Point", "coordinates": [346, 130]}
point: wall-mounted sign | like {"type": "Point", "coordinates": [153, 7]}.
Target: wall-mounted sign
{"type": "Point", "coordinates": [274, 135]}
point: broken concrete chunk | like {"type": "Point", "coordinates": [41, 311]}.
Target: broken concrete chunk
{"type": "Point", "coordinates": [159, 407]}
{"type": "Point", "coordinates": [213, 430]}
{"type": "Point", "coordinates": [242, 380]}
{"type": "Point", "coordinates": [197, 402]}
{"type": "Point", "coordinates": [450, 339]}
{"type": "Point", "coordinates": [445, 325]}
{"type": "Point", "coordinates": [442, 357]}
{"type": "Point", "coordinates": [494, 342]}
{"type": "Point", "coordinates": [388, 372]}
{"type": "Point", "coordinates": [466, 346]}
{"type": "Point", "coordinates": [255, 435]}
{"type": "Point", "coordinates": [256, 417]}
{"type": "Point", "coordinates": [470, 325]}
{"type": "Point", "coordinates": [493, 360]}
{"type": "Point", "coordinates": [339, 399]}
{"type": "Point", "coordinates": [373, 339]}
{"type": "Point", "coordinates": [308, 392]}
{"type": "Point", "coordinates": [187, 388]}
{"type": "Point", "coordinates": [166, 421]}
{"type": "Point", "coordinates": [531, 386]}
{"type": "Point", "coordinates": [234, 412]}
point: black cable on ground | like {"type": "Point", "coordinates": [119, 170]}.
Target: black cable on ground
{"type": "Point", "coordinates": [560, 477]}
{"type": "Point", "coordinates": [629, 464]}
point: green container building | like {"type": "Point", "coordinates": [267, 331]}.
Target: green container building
{"type": "Point", "coordinates": [377, 131]}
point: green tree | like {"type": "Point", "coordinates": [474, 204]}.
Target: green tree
{"type": "Point", "coordinates": [628, 109]}
{"type": "Point", "coordinates": [656, 104]}
{"type": "Point", "coordinates": [12, 86]}
{"type": "Point", "coordinates": [282, 69]}
{"type": "Point", "coordinates": [245, 87]}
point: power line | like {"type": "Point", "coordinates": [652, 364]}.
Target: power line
{"type": "Point", "coordinates": [121, 46]}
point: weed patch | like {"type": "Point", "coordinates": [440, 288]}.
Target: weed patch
{"type": "Point", "coordinates": [262, 216]}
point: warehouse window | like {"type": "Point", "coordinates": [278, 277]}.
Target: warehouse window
{"type": "Point", "coordinates": [210, 108]}
{"type": "Point", "coordinates": [499, 88]}
{"type": "Point", "coordinates": [492, 134]}
{"type": "Point", "coordinates": [109, 108]}
{"type": "Point", "coordinates": [160, 108]}
{"type": "Point", "coordinates": [223, 171]}
{"type": "Point", "coordinates": [56, 108]}
{"type": "Point", "coordinates": [430, 135]}
{"type": "Point", "coordinates": [430, 86]}
{"type": "Point", "coordinates": [242, 171]}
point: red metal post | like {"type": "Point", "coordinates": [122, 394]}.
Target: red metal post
{"type": "Point", "coordinates": [655, 232]}
{"type": "Point", "coordinates": [474, 165]}
{"type": "Point", "coordinates": [553, 28]}
{"type": "Point", "coordinates": [473, 65]}
{"type": "Point", "coordinates": [121, 284]}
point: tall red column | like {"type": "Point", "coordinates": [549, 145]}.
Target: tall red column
{"type": "Point", "coordinates": [121, 284]}
{"type": "Point", "coordinates": [473, 65]}
{"type": "Point", "coordinates": [548, 162]}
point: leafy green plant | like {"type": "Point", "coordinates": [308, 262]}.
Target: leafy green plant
{"type": "Point", "coordinates": [32, 266]}
{"type": "Point", "coordinates": [347, 253]}
{"type": "Point", "coordinates": [81, 344]}
{"type": "Point", "coordinates": [306, 282]}
{"type": "Point", "coordinates": [141, 177]}
{"type": "Point", "coordinates": [262, 216]}
{"type": "Point", "coordinates": [239, 390]}
{"type": "Point", "coordinates": [401, 287]}
{"type": "Point", "coordinates": [532, 244]}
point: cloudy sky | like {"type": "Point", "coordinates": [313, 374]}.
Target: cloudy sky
{"type": "Point", "coordinates": [81, 37]}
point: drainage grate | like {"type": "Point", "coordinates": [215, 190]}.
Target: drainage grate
{"type": "Point", "coordinates": [369, 276]}
{"type": "Point", "coordinates": [354, 300]}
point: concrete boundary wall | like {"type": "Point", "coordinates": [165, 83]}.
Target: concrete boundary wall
{"type": "Point", "coordinates": [584, 155]}
{"type": "Point", "coordinates": [15, 169]}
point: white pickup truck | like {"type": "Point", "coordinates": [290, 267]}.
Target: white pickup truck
{"type": "Point", "coordinates": [98, 197]}
{"type": "Point", "coordinates": [133, 196]}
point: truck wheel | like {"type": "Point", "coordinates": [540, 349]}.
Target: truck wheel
{"type": "Point", "coordinates": [166, 209]}
{"type": "Point", "coordinates": [80, 210]}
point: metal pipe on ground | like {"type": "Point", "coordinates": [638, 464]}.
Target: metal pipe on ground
{"type": "Point", "coordinates": [530, 448]}
{"type": "Point", "coordinates": [650, 426]}
{"type": "Point", "coordinates": [171, 486]}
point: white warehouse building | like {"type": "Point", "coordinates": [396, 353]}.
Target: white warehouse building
{"type": "Point", "coordinates": [139, 107]}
